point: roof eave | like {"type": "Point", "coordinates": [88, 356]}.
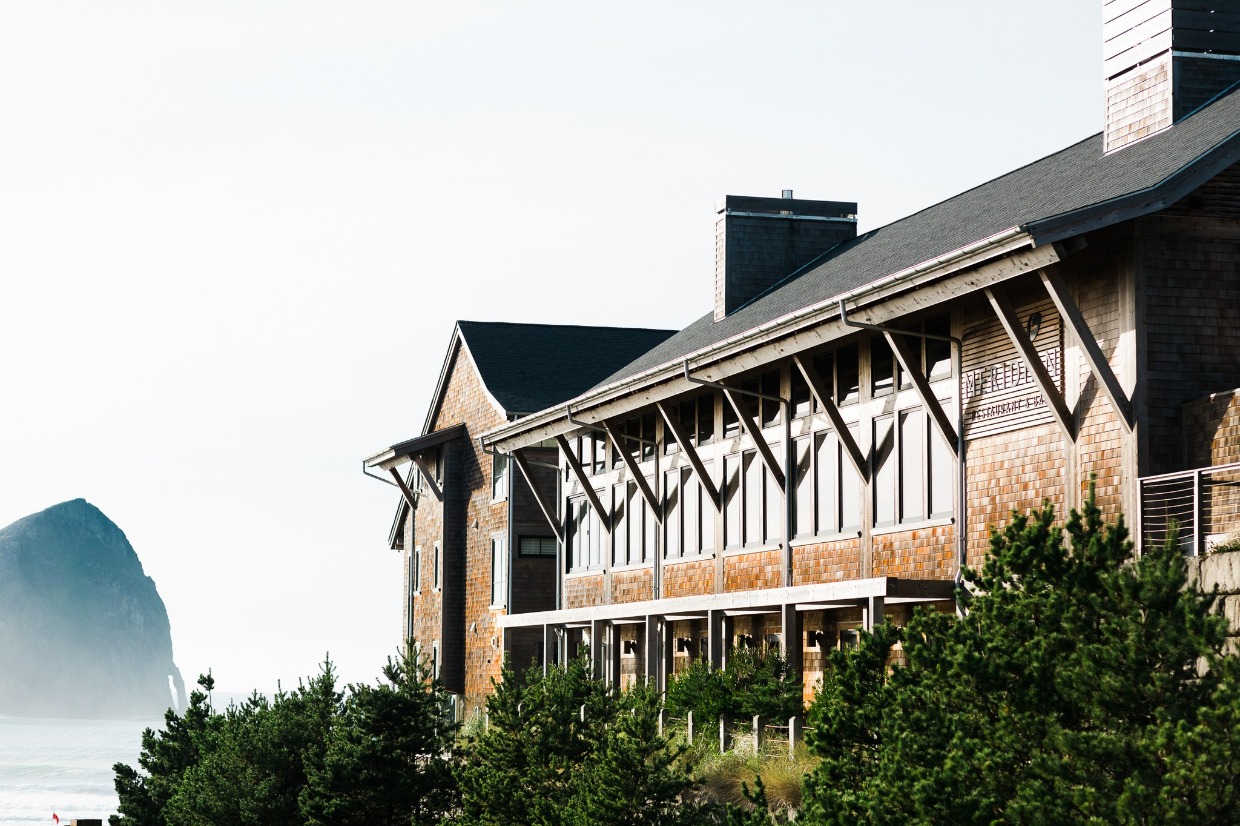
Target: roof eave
{"type": "Point", "coordinates": [1142, 202]}
{"type": "Point", "coordinates": [554, 421]}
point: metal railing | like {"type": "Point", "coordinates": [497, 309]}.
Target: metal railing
{"type": "Point", "coordinates": [1202, 506]}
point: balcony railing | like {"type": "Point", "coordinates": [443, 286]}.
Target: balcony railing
{"type": "Point", "coordinates": [1202, 505]}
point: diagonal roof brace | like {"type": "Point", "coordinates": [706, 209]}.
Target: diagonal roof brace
{"type": "Point", "coordinates": [1062, 296]}
{"type": "Point", "coordinates": [548, 510]}
{"type": "Point", "coordinates": [604, 516]}
{"type": "Point", "coordinates": [636, 471]}
{"type": "Point", "coordinates": [819, 388]}
{"type": "Point", "coordinates": [1020, 340]}
{"type": "Point", "coordinates": [912, 367]}
{"type": "Point", "coordinates": [695, 459]}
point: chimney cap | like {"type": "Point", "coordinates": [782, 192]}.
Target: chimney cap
{"type": "Point", "coordinates": [788, 206]}
{"type": "Point", "coordinates": [786, 193]}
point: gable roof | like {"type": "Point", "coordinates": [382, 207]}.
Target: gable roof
{"type": "Point", "coordinates": [1061, 195]}
{"type": "Point", "coordinates": [530, 367]}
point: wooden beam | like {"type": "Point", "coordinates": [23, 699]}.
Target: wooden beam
{"type": "Point", "coordinates": [819, 388]}
{"type": "Point", "coordinates": [604, 516]}
{"type": "Point", "coordinates": [751, 427]}
{"type": "Point", "coordinates": [410, 497]}
{"type": "Point", "coordinates": [695, 459]}
{"type": "Point", "coordinates": [428, 475]}
{"type": "Point", "coordinates": [634, 469]}
{"type": "Point", "coordinates": [1062, 296]}
{"type": "Point", "coordinates": [809, 330]}
{"type": "Point", "coordinates": [1016, 332]}
{"type": "Point", "coordinates": [547, 510]}
{"type": "Point", "coordinates": [912, 366]}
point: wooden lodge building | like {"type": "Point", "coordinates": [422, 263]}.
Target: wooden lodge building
{"type": "Point", "coordinates": [475, 546]}
{"type": "Point", "coordinates": [838, 435]}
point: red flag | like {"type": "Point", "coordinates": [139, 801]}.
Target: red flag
{"type": "Point", "coordinates": [56, 818]}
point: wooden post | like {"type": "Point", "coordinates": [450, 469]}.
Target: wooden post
{"type": "Point", "coordinates": [689, 728]}
{"type": "Point", "coordinates": [796, 733]}
{"type": "Point", "coordinates": [725, 733]}
{"type": "Point", "coordinates": [757, 735]}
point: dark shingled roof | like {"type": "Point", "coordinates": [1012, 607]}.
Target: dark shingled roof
{"type": "Point", "coordinates": [1073, 179]}
{"type": "Point", "coordinates": [530, 367]}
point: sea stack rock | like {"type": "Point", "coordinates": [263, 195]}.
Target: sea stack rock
{"type": "Point", "coordinates": [83, 632]}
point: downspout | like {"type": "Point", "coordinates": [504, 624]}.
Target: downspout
{"type": "Point", "coordinates": [962, 538]}
{"type": "Point", "coordinates": [789, 463]}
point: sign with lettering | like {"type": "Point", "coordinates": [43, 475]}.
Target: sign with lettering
{"type": "Point", "coordinates": [1000, 392]}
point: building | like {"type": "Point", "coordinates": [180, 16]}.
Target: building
{"type": "Point", "coordinates": [476, 545]}
{"type": "Point", "coordinates": [837, 436]}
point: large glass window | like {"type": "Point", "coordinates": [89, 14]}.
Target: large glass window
{"type": "Point", "coordinates": [913, 472]}
{"type": "Point", "coordinates": [828, 487]}
{"type": "Point", "coordinates": [619, 525]}
{"type": "Point", "coordinates": [753, 503]}
{"type": "Point", "coordinates": [732, 502]}
{"type": "Point", "coordinates": [585, 536]}
{"type": "Point", "coordinates": [672, 530]}
{"type": "Point", "coordinates": [884, 472]}
{"type": "Point", "coordinates": [912, 457]}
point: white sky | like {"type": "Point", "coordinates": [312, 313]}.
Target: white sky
{"type": "Point", "coordinates": [234, 237]}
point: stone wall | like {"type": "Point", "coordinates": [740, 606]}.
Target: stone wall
{"type": "Point", "coordinates": [1222, 571]}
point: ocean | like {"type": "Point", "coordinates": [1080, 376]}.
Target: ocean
{"type": "Point", "coordinates": [63, 766]}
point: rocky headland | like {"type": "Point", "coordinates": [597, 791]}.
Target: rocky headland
{"type": "Point", "coordinates": [83, 631]}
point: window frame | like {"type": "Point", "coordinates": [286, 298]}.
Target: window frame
{"type": "Point", "coordinates": [923, 459]}
{"type": "Point", "coordinates": [540, 539]}
{"type": "Point", "coordinates": [499, 559]}
{"type": "Point", "coordinates": [500, 468]}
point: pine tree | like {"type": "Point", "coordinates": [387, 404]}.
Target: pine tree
{"type": "Point", "coordinates": [385, 756]}
{"type": "Point", "coordinates": [634, 776]}
{"type": "Point", "coordinates": [1071, 691]}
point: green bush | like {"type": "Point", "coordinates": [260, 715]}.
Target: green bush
{"type": "Point", "coordinates": [754, 683]}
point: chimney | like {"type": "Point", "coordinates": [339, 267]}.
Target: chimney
{"type": "Point", "coordinates": [761, 241]}
{"type": "Point", "coordinates": [1163, 59]}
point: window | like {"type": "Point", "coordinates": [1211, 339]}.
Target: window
{"type": "Point", "coordinates": [619, 526]}
{"type": "Point", "coordinates": [639, 438]}
{"type": "Point", "coordinates": [752, 501]}
{"type": "Point", "coordinates": [828, 489]}
{"type": "Point", "coordinates": [435, 660]}
{"type": "Point", "coordinates": [848, 383]}
{"type": "Point", "coordinates": [632, 526]}
{"type": "Point", "coordinates": [770, 406]}
{"type": "Point", "coordinates": [499, 572]}
{"type": "Point", "coordinates": [435, 574]}
{"type": "Point", "coordinates": [913, 470]}
{"type": "Point", "coordinates": [765, 412]}
{"type": "Point", "coordinates": [882, 367]}
{"type": "Point", "coordinates": [585, 536]}
{"type": "Point", "coordinates": [417, 569]}
{"type": "Point", "coordinates": [696, 417]}
{"type": "Point", "coordinates": [537, 546]}
{"type": "Point", "coordinates": [938, 353]}
{"type": "Point", "coordinates": [685, 534]}
{"type": "Point", "coordinates": [932, 355]}
{"type": "Point", "coordinates": [802, 404]}
{"type": "Point", "coordinates": [591, 452]}
{"type": "Point", "coordinates": [731, 422]}
{"type": "Point", "coordinates": [499, 477]}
